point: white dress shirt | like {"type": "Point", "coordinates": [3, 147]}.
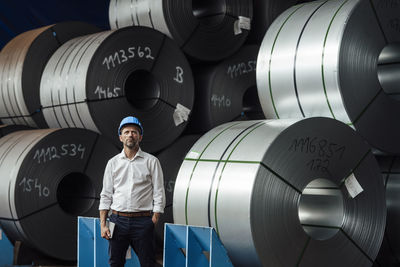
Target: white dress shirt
{"type": "Point", "coordinates": [131, 185]}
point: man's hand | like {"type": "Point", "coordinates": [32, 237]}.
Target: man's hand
{"type": "Point", "coordinates": [155, 218]}
{"type": "Point", "coordinates": [105, 232]}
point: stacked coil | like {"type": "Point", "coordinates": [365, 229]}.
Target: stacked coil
{"type": "Point", "coordinates": [48, 178]}
{"type": "Point", "coordinates": [93, 81]}
{"type": "Point", "coordinates": [331, 58]}
{"type": "Point", "coordinates": [205, 30]}
{"type": "Point", "coordinates": [295, 193]}
{"type": "Point", "coordinates": [389, 254]}
{"type": "Point", "coordinates": [226, 91]}
{"type": "Point", "coordinates": [22, 62]}
{"type": "Point", "coordinates": [171, 160]}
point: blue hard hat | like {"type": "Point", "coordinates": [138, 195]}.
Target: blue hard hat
{"type": "Point", "coordinates": [130, 120]}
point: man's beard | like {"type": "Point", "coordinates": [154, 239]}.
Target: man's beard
{"type": "Point", "coordinates": [130, 143]}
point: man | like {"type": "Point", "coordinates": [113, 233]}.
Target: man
{"type": "Point", "coordinates": [133, 189]}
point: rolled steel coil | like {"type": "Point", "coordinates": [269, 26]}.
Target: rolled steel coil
{"type": "Point", "coordinates": [389, 254]}
{"type": "Point", "coordinates": [93, 81]}
{"type": "Point", "coordinates": [285, 193]}
{"type": "Point", "coordinates": [171, 160]}
{"type": "Point", "coordinates": [206, 30]}
{"type": "Point", "coordinates": [226, 91]}
{"type": "Point", "coordinates": [22, 62]}
{"type": "Point", "coordinates": [48, 178]}
{"type": "Point", "coordinates": [331, 58]}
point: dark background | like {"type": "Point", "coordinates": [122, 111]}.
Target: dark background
{"type": "Point", "coordinates": [20, 16]}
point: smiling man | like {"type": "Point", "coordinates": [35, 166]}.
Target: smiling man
{"type": "Point", "coordinates": [134, 193]}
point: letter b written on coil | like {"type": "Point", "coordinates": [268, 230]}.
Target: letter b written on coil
{"type": "Point", "coordinates": [179, 75]}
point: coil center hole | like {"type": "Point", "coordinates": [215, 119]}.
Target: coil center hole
{"type": "Point", "coordinates": [142, 89]}
{"type": "Point", "coordinates": [75, 193]}
{"type": "Point", "coordinates": [389, 70]}
{"type": "Point", "coordinates": [251, 104]}
{"type": "Point", "coordinates": [210, 12]}
{"type": "Point", "coordinates": [321, 210]}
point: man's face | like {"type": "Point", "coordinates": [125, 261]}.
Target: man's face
{"type": "Point", "coordinates": [130, 136]}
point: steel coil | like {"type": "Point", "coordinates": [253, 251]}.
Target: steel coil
{"type": "Point", "coordinates": [171, 160]}
{"type": "Point", "coordinates": [48, 178]}
{"type": "Point", "coordinates": [226, 91]}
{"type": "Point", "coordinates": [205, 30]}
{"type": "Point", "coordinates": [330, 58]}
{"type": "Point", "coordinates": [93, 81]}
{"type": "Point", "coordinates": [22, 62]}
{"type": "Point", "coordinates": [285, 193]}
{"type": "Point", "coordinates": [389, 254]}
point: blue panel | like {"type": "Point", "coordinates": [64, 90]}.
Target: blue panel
{"type": "Point", "coordinates": [178, 233]}
{"type": "Point", "coordinates": [219, 255]}
{"type": "Point", "coordinates": [85, 242]}
{"type": "Point", "coordinates": [101, 248]}
{"type": "Point", "coordinates": [92, 248]}
{"type": "Point", "coordinates": [195, 240]}
{"type": "Point", "coordinates": [174, 241]}
{"type": "Point", "coordinates": [194, 250]}
{"type": "Point", "coordinates": [6, 250]}
{"type": "Point", "coordinates": [203, 235]}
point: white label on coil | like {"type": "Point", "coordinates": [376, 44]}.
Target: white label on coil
{"type": "Point", "coordinates": [181, 114]}
{"type": "Point", "coordinates": [193, 155]}
{"type": "Point", "coordinates": [242, 23]}
{"type": "Point", "coordinates": [353, 186]}
{"type": "Point", "coordinates": [128, 253]}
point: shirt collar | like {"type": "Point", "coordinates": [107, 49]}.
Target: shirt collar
{"type": "Point", "coordinates": [139, 153]}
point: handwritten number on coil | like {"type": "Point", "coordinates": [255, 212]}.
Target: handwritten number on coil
{"type": "Point", "coordinates": [33, 185]}
{"type": "Point", "coordinates": [122, 56]}
{"type": "Point", "coordinates": [321, 148]}
{"type": "Point", "coordinates": [43, 155]}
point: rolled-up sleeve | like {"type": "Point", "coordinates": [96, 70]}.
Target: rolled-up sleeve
{"type": "Point", "coordinates": [158, 187]}
{"type": "Point", "coordinates": [107, 191]}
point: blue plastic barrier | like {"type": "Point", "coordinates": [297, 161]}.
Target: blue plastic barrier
{"type": "Point", "coordinates": [6, 250]}
{"type": "Point", "coordinates": [93, 249]}
{"type": "Point", "coordinates": [193, 246]}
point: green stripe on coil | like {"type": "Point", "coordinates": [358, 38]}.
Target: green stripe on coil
{"type": "Point", "coordinates": [223, 168]}
{"type": "Point", "coordinates": [323, 56]}
{"type": "Point", "coordinates": [194, 167]}
{"type": "Point", "coordinates": [270, 59]}
{"type": "Point", "coordinates": [223, 161]}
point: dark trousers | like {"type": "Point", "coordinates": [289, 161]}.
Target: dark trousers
{"type": "Point", "coordinates": [134, 231]}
